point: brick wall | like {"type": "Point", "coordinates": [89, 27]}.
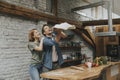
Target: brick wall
{"type": "Point", "coordinates": [32, 4]}
{"type": "Point", "coordinates": [14, 55]}
{"type": "Point", "coordinates": [64, 9]}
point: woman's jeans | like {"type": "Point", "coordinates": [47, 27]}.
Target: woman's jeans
{"type": "Point", "coordinates": [35, 71]}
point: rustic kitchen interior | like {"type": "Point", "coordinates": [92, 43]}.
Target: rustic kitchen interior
{"type": "Point", "coordinates": [91, 51]}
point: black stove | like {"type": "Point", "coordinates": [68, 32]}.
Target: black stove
{"type": "Point", "coordinates": [113, 51]}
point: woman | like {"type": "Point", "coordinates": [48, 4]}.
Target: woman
{"type": "Point", "coordinates": [35, 46]}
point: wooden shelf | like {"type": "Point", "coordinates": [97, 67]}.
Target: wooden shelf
{"type": "Point", "coordinates": [72, 60]}
{"type": "Point", "coordinates": [70, 47]}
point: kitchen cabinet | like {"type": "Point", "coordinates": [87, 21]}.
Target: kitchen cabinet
{"type": "Point", "coordinates": [102, 42]}
{"type": "Point", "coordinates": [112, 39]}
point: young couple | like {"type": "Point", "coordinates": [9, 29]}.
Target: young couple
{"type": "Point", "coordinates": [46, 54]}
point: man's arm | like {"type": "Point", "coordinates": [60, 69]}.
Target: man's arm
{"type": "Point", "coordinates": [60, 34]}
{"type": "Point", "coordinates": [63, 35]}
{"type": "Point", "coordinates": [48, 42]}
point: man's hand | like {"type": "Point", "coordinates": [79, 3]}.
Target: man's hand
{"type": "Point", "coordinates": [57, 30]}
{"type": "Point", "coordinates": [60, 34]}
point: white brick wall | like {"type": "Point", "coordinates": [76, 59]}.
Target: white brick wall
{"type": "Point", "coordinates": [64, 9]}
{"type": "Point", "coordinates": [41, 4]}
{"type": "Point", "coordinates": [14, 55]}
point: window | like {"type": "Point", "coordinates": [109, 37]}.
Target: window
{"type": "Point", "coordinates": [50, 6]}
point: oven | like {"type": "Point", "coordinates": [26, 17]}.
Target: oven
{"type": "Point", "coordinates": [113, 51]}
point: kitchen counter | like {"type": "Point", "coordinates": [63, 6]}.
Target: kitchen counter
{"type": "Point", "coordinates": [79, 72]}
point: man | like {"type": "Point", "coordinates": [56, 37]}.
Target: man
{"type": "Point", "coordinates": [52, 55]}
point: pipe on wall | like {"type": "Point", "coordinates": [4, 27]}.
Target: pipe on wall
{"type": "Point", "coordinates": [110, 23]}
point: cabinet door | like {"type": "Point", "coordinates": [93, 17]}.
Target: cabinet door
{"type": "Point", "coordinates": [112, 39]}
{"type": "Point", "coordinates": [99, 42]}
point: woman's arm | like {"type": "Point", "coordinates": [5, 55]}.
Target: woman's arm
{"type": "Point", "coordinates": [40, 47]}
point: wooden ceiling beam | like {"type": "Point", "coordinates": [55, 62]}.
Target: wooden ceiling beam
{"type": "Point", "coordinates": [32, 14]}
{"type": "Point", "coordinates": [24, 12]}
{"type": "Point", "coordinates": [84, 37]}
{"type": "Point", "coordinates": [88, 6]}
{"type": "Point", "coordinates": [99, 22]}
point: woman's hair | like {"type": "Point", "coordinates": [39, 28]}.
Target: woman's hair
{"type": "Point", "coordinates": [43, 29]}
{"type": "Point", "coordinates": [31, 35]}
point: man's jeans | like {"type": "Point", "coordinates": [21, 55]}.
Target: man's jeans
{"type": "Point", "coordinates": [35, 71]}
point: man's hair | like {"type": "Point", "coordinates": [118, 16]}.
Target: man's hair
{"type": "Point", "coordinates": [31, 35]}
{"type": "Point", "coordinates": [43, 29]}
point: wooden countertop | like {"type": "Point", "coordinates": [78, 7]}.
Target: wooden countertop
{"type": "Point", "coordinates": [76, 73]}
